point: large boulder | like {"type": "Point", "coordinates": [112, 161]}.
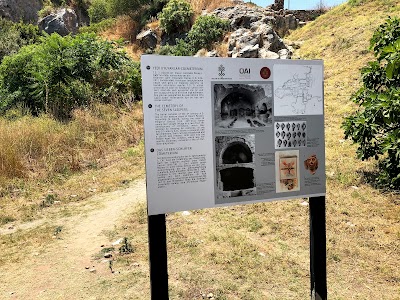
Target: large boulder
{"type": "Point", "coordinates": [63, 22]}
{"type": "Point", "coordinates": [16, 10]}
{"type": "Point", "coordinates": [147, 39]}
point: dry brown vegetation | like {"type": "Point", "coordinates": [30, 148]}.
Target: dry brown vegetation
{"type": "Point", "coordinates": [39, 155]}
{"type": "Point", "coordinates": [124, 27]}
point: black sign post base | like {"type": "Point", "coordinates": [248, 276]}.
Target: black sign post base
{"type": "Point", "coordinates": [318, 249]}
{"type": "Point", "coordinates": [158, 253]}
{"type": "Point", "coordinates": [158, 257]}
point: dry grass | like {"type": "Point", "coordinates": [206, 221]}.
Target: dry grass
{"type": "Point", "coordinates": [40, 155]}
{"type": "Point", "coordinates": [125, 27]}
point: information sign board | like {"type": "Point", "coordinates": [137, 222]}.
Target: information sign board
{"type": "Point", "coordinates": [223, 131]}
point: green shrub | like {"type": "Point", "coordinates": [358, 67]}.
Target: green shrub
{"type": "Point", "coordinates": [62, 73]}
{"type": "Point", "coordinates": [98, 27]}
{"type": "Point", "coordinates": [375, 127]}
{"type": "Point", "coordinates": [15, 35]}
{"type": "Point", "coordinates": [98, 11]}
{"type": "Point", "coordinates": [207, 30]}
{"type": "Point", "coordinates": [176, 16]}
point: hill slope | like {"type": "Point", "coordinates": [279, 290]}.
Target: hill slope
{"type": "Point", "coordinates": [362, 256]}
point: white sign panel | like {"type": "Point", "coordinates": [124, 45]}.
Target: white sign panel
{"type": "Point", "coordinates": [223, 131]}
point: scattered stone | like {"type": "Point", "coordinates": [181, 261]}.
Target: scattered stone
{"type": "Point", "coordinates": [57, 202]}
{"type": "Point", "coordinates": [342, 141]}
{"type": "Point", "coordinates": [210, 295]}
{"type": "Point", "coordinates": [304, 203]}
{"type": "Point", "coordinates": [64, 21]}
{"type": "Point", "coordinates": [105, 261]}
{"type": "Point", "coordinates": [136, 264]}
{"type": "Point", "coordinates": [186, 213]}
{"type": "Point", "coordinates": [87, 268]}
{"type": "Point", "coordinates": [147, 39]}
{"type": "Point", "coordinates": [284, 54]}
{"type": "Point", "coordinates": [12, 293]}
{"type": "Point", "coordinates": [107, 255]}
{"type": "Point", "coordinates": [355, 187]}
{"type": "Point", "coordinates": [264, 53]}
{"type": "Point", "coordinates": [261, 254]}
{"type": "Point", "coordinates": [248, 52]}
{"type": "Point", "coordinates": [350, 224]}
{"type": "Point", "coordinates": [92, 270]}
{"type": "Point", "coordinates": [73, 196]}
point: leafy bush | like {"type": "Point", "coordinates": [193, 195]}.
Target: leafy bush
{"type": "Point", "coordinates": [376, 125]}
{"type": "Point", "coordinates": [99, 10]}
{"type": "Point", "coordinates": [63, 73]}
{"type": "Point", "coordinates": [205, 31]}
{"type": "Point", "coordinates": [176, 16]}
{"type": "Point", "coordinates": [15, 35]}
{"type": "Point", "coordinates": [98, 27]}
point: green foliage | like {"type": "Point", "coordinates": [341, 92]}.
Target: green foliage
{"type": "Point", "coordinates": [176, 16]}
{"type": "Point", "coordinates": [99, 10]}
{"type": "Point", "coordinates": [376, 125]}
{"type": "Point", "coordinates": [182, 48]}
{"type": "Point", "coordinates": [62, 73]}
{"type": "Point", "coordinates": [205, 31]}
{"type": "Point", "coordinates": [98, 27]}
{"type": "Point", "coordinates": [15, 35]}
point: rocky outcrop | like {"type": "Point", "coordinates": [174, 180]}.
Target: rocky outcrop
{"type": "Point", "coordinates": [147, 39]}
{"type": "Point", "coordinates": [242, 16]}
{"type": "Point", "coordinates": [257, 32]}
{"type": "Point", "coordinates": [16, 10]}
{"type": "Point", "coordinates": [63, 22]}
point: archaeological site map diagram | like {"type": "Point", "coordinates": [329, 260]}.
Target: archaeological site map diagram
{"type": "Point", "coordinates": [296, 91]}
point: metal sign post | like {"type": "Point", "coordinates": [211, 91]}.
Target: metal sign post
{"type": "Point", "coordinates": [318, 249]}
{"type": "Point", "coordinates": [158, 257]}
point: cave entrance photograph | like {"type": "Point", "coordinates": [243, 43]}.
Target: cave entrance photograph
{"type": "Point", "coordinates": [243, 105]}
{"type": "Point", "coordinates": [235, 166]}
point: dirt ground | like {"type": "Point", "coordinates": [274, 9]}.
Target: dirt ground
{"type": "Point", "coordinates": [66, 268]}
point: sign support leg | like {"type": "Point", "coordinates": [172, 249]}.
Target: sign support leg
{"type": "Point", "coordinates": [158, 257]}
{"type": "Point", "coordinates": [318, 248]}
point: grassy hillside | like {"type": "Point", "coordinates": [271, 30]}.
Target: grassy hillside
{"type": "Point", "coordinates": [363, 223]}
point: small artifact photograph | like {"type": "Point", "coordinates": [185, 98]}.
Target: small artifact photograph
{"type": "Point", "coordinates": [287, 171]}
{"type": "Point", "coordinates": [243, 105]}
{"type": "Point", "coordinates": [235, 167]}
{"type": "Point", "coordinates": [311, 164]}
{"type": "Point", "coordinates": [290, 134]}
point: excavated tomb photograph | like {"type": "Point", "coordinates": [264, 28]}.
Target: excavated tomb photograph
{"type": "Point", "coordinates": [243, 105]}
{"type": "Point", "coordinates": [235, 166]}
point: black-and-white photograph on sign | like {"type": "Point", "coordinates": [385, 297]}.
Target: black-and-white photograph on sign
{"type": "Point", "coordinates": [242, 105]}
{"type": "Point", "coordinates": [235, 166]}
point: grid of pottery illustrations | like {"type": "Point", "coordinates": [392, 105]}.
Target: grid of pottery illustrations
{"type": "Point", "coordinates": [291, 134]}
